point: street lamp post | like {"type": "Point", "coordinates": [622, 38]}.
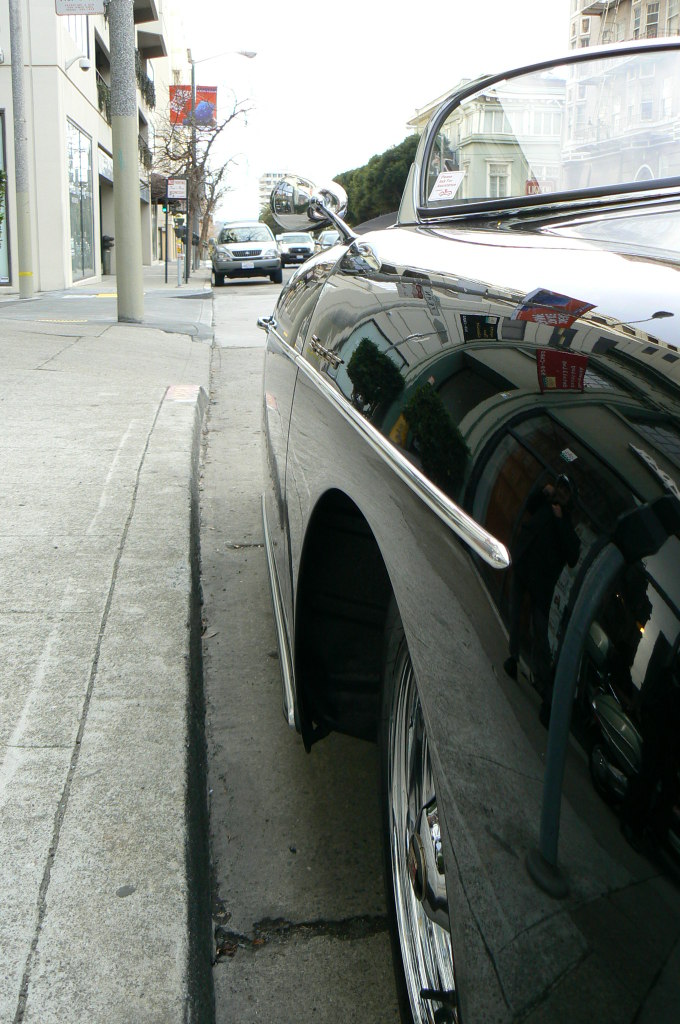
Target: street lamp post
{"type": "Point", "coordinates": [191, 212]}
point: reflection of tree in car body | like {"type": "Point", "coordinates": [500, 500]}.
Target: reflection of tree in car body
{"type": "Point", "coordinates": [374, 376]}
{"type": "Point", "coordinates": [442, 450]}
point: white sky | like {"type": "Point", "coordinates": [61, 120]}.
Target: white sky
{"type": "Point", "coordinates": [335, 83]}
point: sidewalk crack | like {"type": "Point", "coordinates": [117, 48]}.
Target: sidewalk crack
{"type": "Point", "coordinates": [277, 931]}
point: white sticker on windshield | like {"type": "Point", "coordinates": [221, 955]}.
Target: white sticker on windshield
{"type": "Point", "coordinates": [446, 185]}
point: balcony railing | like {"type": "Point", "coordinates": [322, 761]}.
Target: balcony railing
{"type": "Point", "coordinates": [145, 154]}
{"type": "Point", "coordinates": [104, 98]}
{"type": "Point", "coordinates": [146, 86]}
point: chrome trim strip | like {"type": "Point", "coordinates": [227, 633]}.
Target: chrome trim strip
{"type": "Point", "coordinates": [287, 671]}
{"type": "Point", "coordinates": [463, 525]}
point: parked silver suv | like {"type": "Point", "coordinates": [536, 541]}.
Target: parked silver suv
{"type": "Point", "coordinates": [246, 249]}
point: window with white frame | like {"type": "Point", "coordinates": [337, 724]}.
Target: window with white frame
{"type": "Point", "coordinates": [647, 105]}
{"type": "Point", "coordinates": [667, 93]}
{"type": "Point", "coordinates": [77, 27]}
{"type": "Point", "coordinates": [616, 113]}
{"type": "Point", "coordinates": [673, 18]}
{"type": "Point", "coordinates": [637, 20]}
{"type": "Point", "coordinates": [585, 26]}
{"type": "Point", "coordinates": [547, 122]}
{"type": "Point", "coordinates": [496, 123]}
{"type": "Point", "coordinates": [498, 184]}
{"type": "Point", "coordinates": [652, 27]}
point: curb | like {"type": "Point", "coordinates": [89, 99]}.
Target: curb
{"type": "Point", "coordinates": [200, 1006]}
{"type": "Point", "coordinates": [126, 932]}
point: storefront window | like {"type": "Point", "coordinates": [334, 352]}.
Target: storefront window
{"type": "Point", "coordinates": [79, 157]}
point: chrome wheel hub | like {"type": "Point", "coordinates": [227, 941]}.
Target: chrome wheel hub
{"type": "Point", "coordinates": [425, 863]}
{"type": "Point", "coordinates": [417, 861]}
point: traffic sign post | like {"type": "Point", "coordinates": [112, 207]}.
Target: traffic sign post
{"type": "Point", "coordinates": [175, 194]}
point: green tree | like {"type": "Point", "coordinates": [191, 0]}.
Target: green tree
{"type": "Point", "coordinates": [377, 187]}
{"type": "Point", "coordinates": [267, 217]}
{"type": "Point", "coordinates": [442, 449]}
{"type": "Point", "coordinates": [374, 376]}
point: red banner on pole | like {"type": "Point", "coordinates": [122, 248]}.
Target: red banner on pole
{"type": "Point", "coordinates": [205, 113]}
{"type": "Point", "coordinates": [559, 370]}
{"type": "Point", "coordinates": [550, 308]}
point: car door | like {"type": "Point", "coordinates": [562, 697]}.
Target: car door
{"type": "Point", "coordinates": [286, 332]}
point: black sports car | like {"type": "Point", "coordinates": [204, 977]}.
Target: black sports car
{"type": "Point", "coordinates": [472, 522]}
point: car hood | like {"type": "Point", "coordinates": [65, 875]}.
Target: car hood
{"type": "Point", "coordinates": [625, 268]}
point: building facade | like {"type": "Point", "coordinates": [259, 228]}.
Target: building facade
{"type": "Point", "coordinates": [67, 77]}
{"type": "Point", "coordinates": [266, 183]}
{"type": "Point", "coordinates": [611, 21]}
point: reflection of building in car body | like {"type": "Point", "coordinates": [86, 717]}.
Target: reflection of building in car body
{"type": "Point", "coordinates": [613, 436]}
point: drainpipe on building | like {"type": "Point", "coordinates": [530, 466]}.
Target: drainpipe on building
{"type": "Point", "coordinates": [127, 216]}
{"type": "Point", "coordinates": [22, 200]}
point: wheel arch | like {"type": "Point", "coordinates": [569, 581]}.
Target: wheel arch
{"type": "Point", "coordinates": [343, 592]}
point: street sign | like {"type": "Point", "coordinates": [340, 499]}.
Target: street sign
{"type": "Point", "coordinates": [65, 7]}
{"type": "Point", "coordinates": [177, 188]}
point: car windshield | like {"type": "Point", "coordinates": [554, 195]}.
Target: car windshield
{"type": "Point", "coordinates": [296, 238]}
{"type": "Point", "coordinates": [329, 236]}
{"type": "Point", "coordinates": [600, 124]}
{"type": "Point", "coordinates": [250, 233]}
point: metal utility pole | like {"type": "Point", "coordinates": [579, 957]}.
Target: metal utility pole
{"type": "Point", "coordinates": [124, 125]}
{"type": "Point", "coordinates": [192, 209]}
{"type": "Point", "coordinates": [23, 208]}
{"type": "Point", "coordinates": [189, 236]}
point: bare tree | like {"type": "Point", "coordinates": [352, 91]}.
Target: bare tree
{"type": "Point", "coordinates": [187, 150]}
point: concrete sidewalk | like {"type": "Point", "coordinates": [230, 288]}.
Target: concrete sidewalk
{"type": "Point", "coordinates": [104, 915]}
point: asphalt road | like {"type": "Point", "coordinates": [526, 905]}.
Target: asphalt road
{"type": "Point", "coordinates": [298, 905]}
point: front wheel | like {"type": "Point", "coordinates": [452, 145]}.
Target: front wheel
{"type": "Point", "coordinates": [415, 885]}
{"type": "Point", "coordinates": [276, 277]}
{"type": "Point", "coordinates": [219, 278]}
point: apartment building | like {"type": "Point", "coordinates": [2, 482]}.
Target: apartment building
{"type": "Point", "coordinates": [611, 21]}
{"type": "Point", "coordinates": [266, 183]}
{"type": "Point", "coordinates": [70, 155]}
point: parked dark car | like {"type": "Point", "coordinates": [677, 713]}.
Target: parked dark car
{"type": "Point", "coordinates": [295, 247]}
{"type": "Point", "coordinates": [472, 522]}
{"type": "Point", "coordinates": [246, 249]}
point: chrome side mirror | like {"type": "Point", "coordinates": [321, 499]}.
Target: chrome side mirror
{"type": "Point", "coordinates": [297, 204]}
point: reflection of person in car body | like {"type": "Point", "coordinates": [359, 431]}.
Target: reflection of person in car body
{"type": "Point", "coordinates": [652, 791]}
{"type": "Point", "coordinates": [547, 542]}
